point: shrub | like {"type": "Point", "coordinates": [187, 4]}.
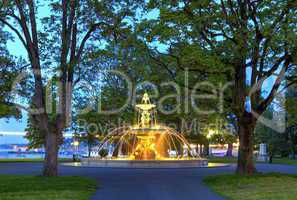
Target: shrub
{"type": "Point", "coordinates": [103, 153]}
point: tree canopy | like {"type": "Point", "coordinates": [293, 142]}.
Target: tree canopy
{"type": "Point", "coordinates": [203, 60]}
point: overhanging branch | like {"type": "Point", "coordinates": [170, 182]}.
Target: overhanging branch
{"type": "Point", "coordinates": [15, 31]}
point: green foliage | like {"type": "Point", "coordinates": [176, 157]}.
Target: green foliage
{"type": "Point", "coordinates": [291, 111]}
{"type": "Point", "coordinates": [87, 132]}
{"type": "Point", "coordinates": [89, 138]}
{"type": "Point", "coordinates": [62, 56]}
{"type": "Point", "coordinates": [197, 38]}
{"type": "Point", "coordinates": [7, 76]}
{"type": "Point", "coordinates": [197, 139]}
{"type": "Point", "coordinates": [277, 143]}
{"type": "Point", "coordinates": [35, 137]}
{"type": "Point", "coordinates": [213, 40]}
{"type": "Point", "coordinates": [103, 152]}
{"type": "Point", "coordinates": [291, 101]}
{"type": "Point", "coordinates": [223, 138]}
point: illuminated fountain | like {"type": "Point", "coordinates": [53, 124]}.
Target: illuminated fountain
{"type": "Point", "coordinates": [146, 144]}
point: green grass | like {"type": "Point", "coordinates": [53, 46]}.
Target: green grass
{"type": "Point", "coordinates": [258, 187]}
{"type": "Point", "coordinates": [9, 160]}
{"type": "Point", "coordinates": [285, 161]}
{"type": "Point", "coordinates": [222, 159]}
{"type": "Point", "coordinates": [41, 188]}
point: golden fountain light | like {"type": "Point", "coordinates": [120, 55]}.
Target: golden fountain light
{"type": "Point", "coordinates": [146, 140]}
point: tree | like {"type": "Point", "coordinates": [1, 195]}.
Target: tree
{"type": "Point", "coordinates": [7, 75]}
{"type": "Point", "coordinates": [7, 108]}
{"type": "Point", "coordinates": [230, 140]}
{"type": "Point", "coordinates": [34, 136]}
{"type": "Point", "coordinates": [292, 140]}
{"type": "Point", "coordinates": [249, 42]}
{"type": "Point", "coordinates": [224, 137]}
{"type": "Point", "coordinates": [199, 139]}
{"type": "Point", "coordinates": [291, 120]}
{"type": "Point", "coordinates": [58, 47]}
{"type": "Point", "coordinates": [103, 153]}
{"type": "Point", "coordinates": [87, 134]}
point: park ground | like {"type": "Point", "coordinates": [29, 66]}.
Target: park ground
{"type": "Point", "coordinates": [80, 183]}
{"type": "Point", "coordinates": [285, 161]}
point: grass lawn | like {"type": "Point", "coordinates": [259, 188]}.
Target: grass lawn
{"type": "Point", "coordinates": [41, 188]}
{"type": "Point", "coordinates": [9, 160]}
{"type": "Point", "coordinates": [258, 187]}
{"type": "Point", "coordinates": [285, 161]}
{"type": "Point", "coordinates": [222, 159]}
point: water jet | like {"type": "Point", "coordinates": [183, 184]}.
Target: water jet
{"type": "Point", "coordinates": [147, 144]}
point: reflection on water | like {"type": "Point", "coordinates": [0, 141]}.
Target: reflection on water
{"type": "Point", "coordinates": [16, 155]}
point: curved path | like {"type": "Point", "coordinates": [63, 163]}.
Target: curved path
{"type": "Point", "coordinates": [145, 184]}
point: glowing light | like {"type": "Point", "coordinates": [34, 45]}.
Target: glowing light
{"type": "Point", "coordinates": [75, 143]}
{"type": "Point", "coordinates": [210, 134]}
{"type": "Point", "coordinates": [147, 140]}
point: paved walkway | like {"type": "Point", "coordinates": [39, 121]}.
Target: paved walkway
{"type": "Point", "coordinates": [145, 184]}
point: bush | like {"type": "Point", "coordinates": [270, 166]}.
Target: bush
{"type": "Point", "coordinates": [103, 153]}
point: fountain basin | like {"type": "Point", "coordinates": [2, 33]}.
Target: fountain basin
{"type": "Point", "coordinates": [182, 163]}
{"type": "Point", "coordinates": [146, 144]}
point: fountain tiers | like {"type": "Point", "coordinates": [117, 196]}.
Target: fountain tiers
{"type": "Point", "coordinates": [146, 151]}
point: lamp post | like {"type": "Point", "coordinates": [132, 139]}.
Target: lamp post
{"type": "Point", "coordinates": [210, 133]}
{"type": "Point", "coordinates": [208, 136]}
{"type": "Point", "coordinates": [75, 150]}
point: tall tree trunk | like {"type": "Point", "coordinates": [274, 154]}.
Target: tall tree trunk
{"type": "Point", "coordinates": [89, 150]}
{"type": "Point", "coordinates": [245, 163]}
{"type": "Point", "coordinates": [206, 149]}
{"type": "Point", "coordinates": [229, 150]}
{"type": "Point", "coordinates": [270, 159]}
{"type": "Point", "coordinates": [50, 167]}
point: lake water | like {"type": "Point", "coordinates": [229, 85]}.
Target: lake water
{"type": "Point", "coordinates": [14, 155]}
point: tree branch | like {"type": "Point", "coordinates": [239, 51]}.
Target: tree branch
{"type": "Point", "coordinates": [73, 23]}
{"type": "Point", "coordinates": [65, 38]}
{"type": "Point", "coordinates": [24, 25]}
{"type": "Point", "coordinates": [86, 37]}
{"type": "Point", "coordinates": [16, 32]}
{"type": "Point", "coordinates": [263, 105]}
{"type": "Point", "coordinates": [275, 66]}
{"type": "Point", "coordinates": [33, 25]}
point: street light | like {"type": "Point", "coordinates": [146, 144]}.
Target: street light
{"type": "Point", "coordinates": [76, 143]}
{"type": "Point", "coordinates": [210, 133]}
{"type": "Point", "coordinates": [75, 152]}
